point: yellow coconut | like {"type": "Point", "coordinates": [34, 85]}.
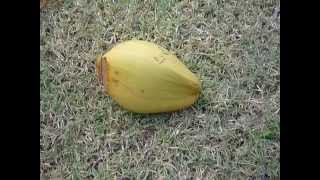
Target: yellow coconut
{"type": "Point", "coordinates": [145, 78]}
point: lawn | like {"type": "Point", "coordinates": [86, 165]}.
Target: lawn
{"type": "Point", "coordinates": [231, 132]}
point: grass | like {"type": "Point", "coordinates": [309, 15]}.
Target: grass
{"type": "Point", "coordinates": [232, 132]}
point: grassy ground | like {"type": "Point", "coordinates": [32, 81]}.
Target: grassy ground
{"type": "Point", "coordinates": [232, 132]}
